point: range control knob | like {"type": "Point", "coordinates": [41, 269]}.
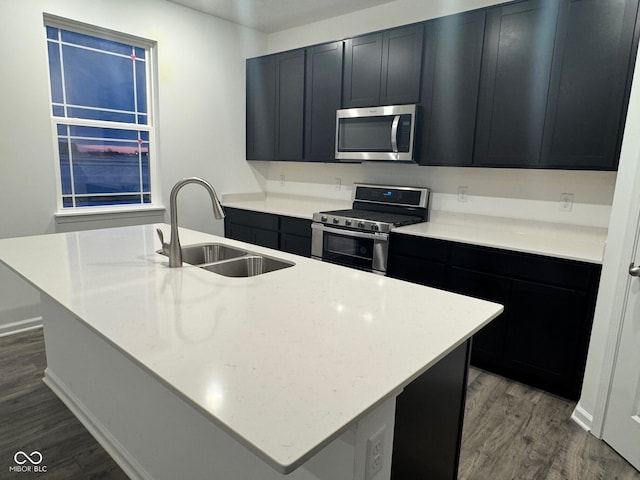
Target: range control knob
{"type": "Point", "coordinates": [374, 227]}
{"type": "Point", "coordinates": [360, 224]}
{"type": "Point", "coordinates": [336, 220]}
{"type": "Point", "coordinates": [347, 222]}
{"type": "Point", "coordinates": [323, 218]}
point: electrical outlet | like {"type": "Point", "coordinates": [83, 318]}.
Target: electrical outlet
{"type": "Point", "coordinates": [338, 183]}
{"type": "Point", "coordinates": [282, 182]}
{"type": "Point", "coordinates": [566, 202]}
{"type": "Point", "coordinates": [462, 194]}
{"type": "Point", "coordinates": [375, 454]}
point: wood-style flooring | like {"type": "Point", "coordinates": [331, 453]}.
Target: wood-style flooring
{"type": "Point", "coordinates": [511, 431]}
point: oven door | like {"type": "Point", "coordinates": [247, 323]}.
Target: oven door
{"type": "Point", "coordinates": [362, 250]}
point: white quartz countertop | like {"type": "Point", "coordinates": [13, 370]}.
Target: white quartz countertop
{"type": "Point", "coordinates": [289, 205]}
{"type": "Point", "coordinates": [283, 361]}
{"type": "Point", "coordinates": [571, 242]}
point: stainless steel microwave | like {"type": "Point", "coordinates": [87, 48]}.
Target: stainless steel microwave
{"type": "Point", "coordinates": [376, 133]}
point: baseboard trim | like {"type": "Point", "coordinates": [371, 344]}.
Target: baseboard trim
{"type": "Point", "coordinates": [20, 326]}
{"type": "Point", "coordinates": [583, 418]}
{"type": "Point", "coordinates": [120, 455]}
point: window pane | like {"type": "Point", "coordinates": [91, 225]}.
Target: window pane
{"type": "Point", "coordinates": [52, 33]}
{"type": "Point", "coordinates": [101, 200]}
{"type": "Point", "coordinates": [95, 42]}
{"type": "Point", "coordinates": [96, 160]}
{"type": "Point", "coordinates": [55, 72]}
{"type": "Point", "coordinates": [141, 90]}
{"type": "Point", "coordinates": [95, 114]}
{"type": "Point", "coordinates": [95, 79]}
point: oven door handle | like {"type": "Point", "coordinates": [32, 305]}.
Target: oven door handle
{"type": "Point", "coordinates": [349, 233]}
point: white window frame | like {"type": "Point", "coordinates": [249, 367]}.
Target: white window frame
{"type": "Point", "coordinates": [150, 48]}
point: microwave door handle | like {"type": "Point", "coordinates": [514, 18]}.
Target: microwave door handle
{"type": "Point", "coordinates": [394, 133]}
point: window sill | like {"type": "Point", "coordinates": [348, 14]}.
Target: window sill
{"type": "Point", "coordinates": [90, 214]}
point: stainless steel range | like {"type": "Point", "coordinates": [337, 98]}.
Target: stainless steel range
{"type": "Point", "coordinates": [359, 237]}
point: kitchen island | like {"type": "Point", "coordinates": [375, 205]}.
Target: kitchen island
{"type": "Point", "coordinates": [184, 373]}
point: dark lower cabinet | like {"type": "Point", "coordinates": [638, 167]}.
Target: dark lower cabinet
{"type": "Point", "coordinates": [429, 420]}
{"type": "Point", "coordinates": [295, 235]}
{"type": "Point", "coordinates": [542, 337]}
{"type": "Point", "coordinates": [488, 343]}
{"type": "Point", "coordinates": [279, 232]}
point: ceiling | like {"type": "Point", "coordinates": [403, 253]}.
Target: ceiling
{"type": "Point", "coordinates": [274, 15]}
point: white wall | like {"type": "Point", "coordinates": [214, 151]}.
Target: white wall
{"type": "Point", "coordinates": [201, 114]}
{"type": "Point", "coordinates": [528, 194]}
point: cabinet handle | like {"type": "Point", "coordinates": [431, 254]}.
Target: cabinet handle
{"type": "Point", "coordinates": [634, 271]}
{"type": "Point", "coordinates": [394, 133]}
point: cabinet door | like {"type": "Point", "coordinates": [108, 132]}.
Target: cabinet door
{"type": "Point", "coordinates": [546, 329]}
{"type": "Point", "coordinates": [323, 98]}
{"type": "Point", "coordinates": [238, 232]}
{"type": "Point", "coordinates": [488, 344]}
{"type": "Point", "coordinates": [261, 108]}
{"type": "Point", "coordinates": [450, 84]}
{"type": "Point", "coordinates": [265, 238]}
{"type": "Point", "coordinates": [514, 85]}
{"type": "Point", "coordinates": [401, 65]}
{"type": "Point", "coordinates": [586, 109]}
{"type": "Point", "coordinates": [290, 105]}
{"type": "Point", "coordinates": [296, 244]}
{"type": "Point", "coordinates": [362, 67]}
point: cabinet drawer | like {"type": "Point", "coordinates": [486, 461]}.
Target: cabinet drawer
{"type": "Point", "coordinates": [419, 247]}
{"type": "Point", "coordinates": [295, 226]}
{"type": "Point", "coordinates": [265, 221]}
{"type": "Point", "coordinates": [417, 270]}
{"type": "Point", "coordinates": [554, 271]}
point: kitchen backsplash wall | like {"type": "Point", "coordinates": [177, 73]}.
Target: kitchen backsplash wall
{"type": "Point", "coordinates": [514, 193]}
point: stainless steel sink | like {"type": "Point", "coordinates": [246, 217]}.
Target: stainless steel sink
{"type": "Point", "coordinates": [248, 266]}
{"type": "Point", "coordinates": [202, 253]}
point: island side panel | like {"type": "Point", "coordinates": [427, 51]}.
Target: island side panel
{"type": "Point", "coordinates": [429, 420]}
{"type": "Point", "coordinates": [153, 433]}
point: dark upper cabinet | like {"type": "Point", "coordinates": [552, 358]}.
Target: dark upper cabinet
{"type": "Point", "coordinates": [275, 107]}
{"type": "Point", "coordinates": [323, 98]}
{"type": "Point", "coordinates": [261, 108]}
{"type": "Point", "coordinates": [401, 65]}
{"type": "Point", "coordinates": [585, 113]}
{"type": "Point", "coordinates": [450, 85]}
{"type": "Point", "coordinates": [290, 68]}
{"type": "Point", "coordinates": [383, 68]}
{"type": "Point", "coordinates": [517, 57]}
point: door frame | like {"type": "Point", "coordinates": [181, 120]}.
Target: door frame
{"type": "Point", "coordinates": [624, 227]}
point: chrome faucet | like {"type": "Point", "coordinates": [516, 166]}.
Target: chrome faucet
{"type": "Point", "coordinates": [175, 251]}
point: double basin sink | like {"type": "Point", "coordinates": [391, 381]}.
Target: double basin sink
{"type": "Point", "coordinates": [229, 261]}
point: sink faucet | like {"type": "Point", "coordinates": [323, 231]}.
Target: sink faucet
{"type": "Point", "coordinates": [175, 251]}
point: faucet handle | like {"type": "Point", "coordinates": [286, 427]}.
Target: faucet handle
{"type": "Point", "coordinates": [165, 246]}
